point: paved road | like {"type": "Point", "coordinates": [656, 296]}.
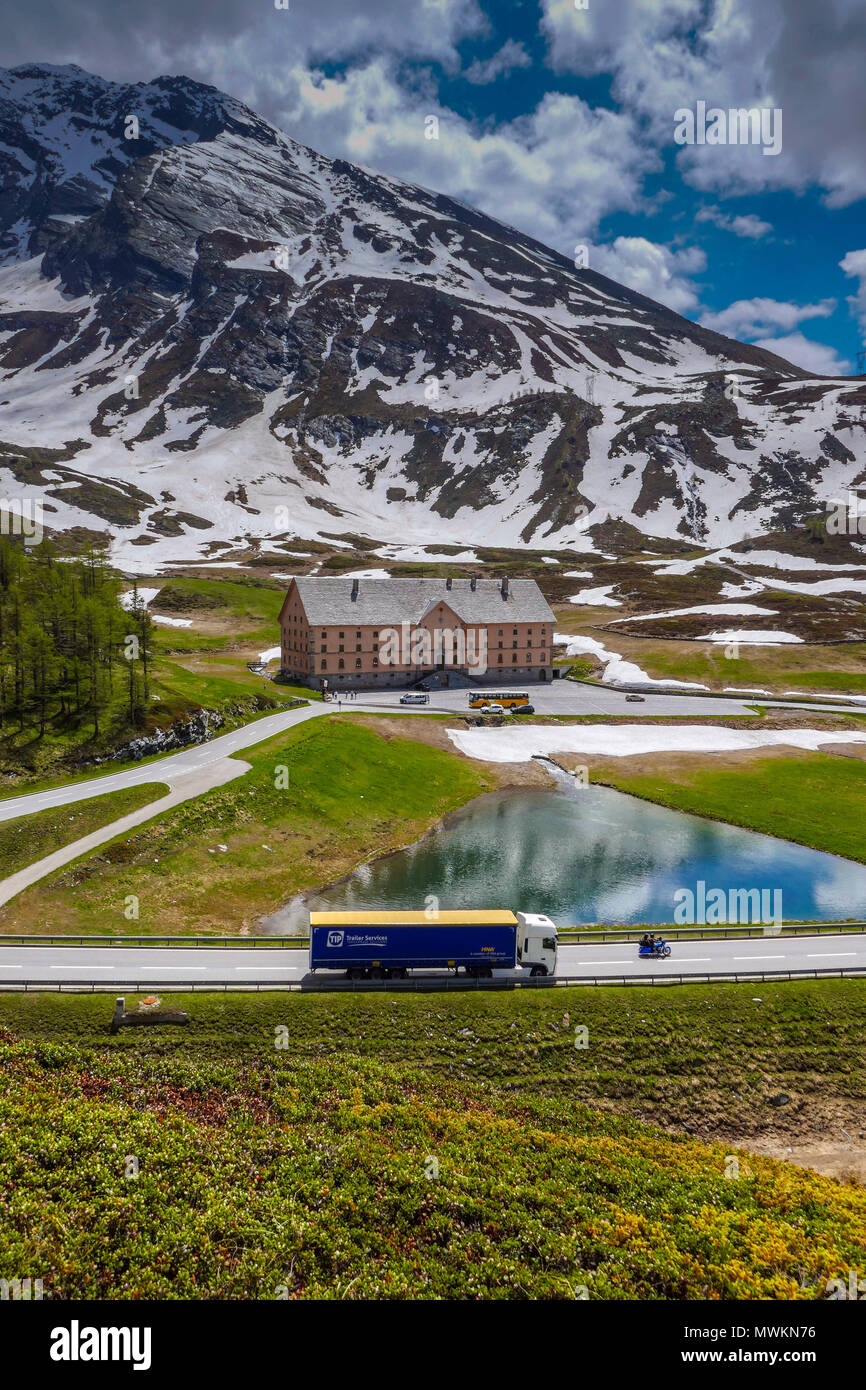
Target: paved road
{"type": "Point", "coordinates": [567, 697]}
{"type": "Point", "coordinates": [574, 697]}
{"type": "Point", "coordinates": [172, 769]}
{"type": "Point", "coordinates": [193, 784]}
{"type": "Point", "coordinates": [154, 967]}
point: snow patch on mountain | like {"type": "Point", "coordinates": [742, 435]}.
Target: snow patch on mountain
{"type": "Point", "coordinates": [224, 336]}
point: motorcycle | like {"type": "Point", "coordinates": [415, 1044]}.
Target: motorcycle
{"type": "Point", "coordinates": [660, 950]}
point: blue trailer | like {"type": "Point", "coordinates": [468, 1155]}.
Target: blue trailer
{"type": "Point", "coordinates": [387, 945]}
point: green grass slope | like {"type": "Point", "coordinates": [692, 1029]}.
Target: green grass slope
{"type": "Point", "coordinates": [28, 838]}
{"type": "Point", "coordinates": [405, 1148]}
{"type": "Point", "coordinates": [318, 801]}
{"type": "Point", "coordinates": [815, 799]}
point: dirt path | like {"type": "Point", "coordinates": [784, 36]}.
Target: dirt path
{"type": "Point", "coordinates": [835, 1159]}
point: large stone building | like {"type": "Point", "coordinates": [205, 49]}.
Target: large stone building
{"type": "Point", "coordinates": [355, 633]}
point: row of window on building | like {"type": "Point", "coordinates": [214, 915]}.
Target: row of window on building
{"type": "Point", "coordinates": [341, 664]}
{"type": "Point", "coordinates": [297, 646]}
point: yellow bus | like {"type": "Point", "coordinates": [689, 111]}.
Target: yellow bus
{"type": "Point", "coordinates": [479, 699]}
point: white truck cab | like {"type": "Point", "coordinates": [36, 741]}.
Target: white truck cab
{"type": "Point", "coordinates": [536, 943]}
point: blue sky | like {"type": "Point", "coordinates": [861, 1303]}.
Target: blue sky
{"type": "Point", "coordinates": [560, 120]}
{"type": "Point", "coordinates": [792, 238]}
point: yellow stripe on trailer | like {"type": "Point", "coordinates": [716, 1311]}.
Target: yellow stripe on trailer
{"type": "Point", "coordinates": [412, 919]}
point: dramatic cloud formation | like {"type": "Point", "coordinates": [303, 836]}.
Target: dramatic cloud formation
{"type": "Point", "coordinates": [359, 81]}
{"type": "Point", "coordinates": [653, 270]}
{"type": "Point", "coordinates": [555, 172]}
{"type": "Point", "coordinates": [668, 54]}
{"type": "Point", "coordinates": [131, 41]}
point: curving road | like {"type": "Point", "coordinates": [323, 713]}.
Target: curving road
{"type": "Point", "coordinates": [563, 698]}
{"type": "Point", "coordinates": [201, 768]}
{"type": "Point", "coordinates": [190, 762]}
{"type": "Point", "coordinates": [112, 967]}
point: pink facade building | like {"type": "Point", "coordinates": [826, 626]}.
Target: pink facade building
{"type": "Point", "coordinates": [353, 633]}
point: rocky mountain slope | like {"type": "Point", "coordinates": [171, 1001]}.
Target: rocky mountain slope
{"type": "Point", "coordinates": [212, 336]}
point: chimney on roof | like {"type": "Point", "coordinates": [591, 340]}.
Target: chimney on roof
{"type": "Point", "coordinates": [504, 586]}
{"type": "Point", "coordinates": [448, 582]}
{"type": "Point", "coordinates": [355, 587]}
{"type": "Point", "coordinates": [472, 583]}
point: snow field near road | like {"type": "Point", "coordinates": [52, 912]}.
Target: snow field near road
{"type": "Point", "coordinates": [600, 597]}
{"type": "Point", "coordinates": [722, 610]}
{"type": "Point", "coordinates": [823, 695]}
{"type": "Point", "coordinates": [752, 637]}
{"type": "Point", "coordinates": [617, 671]}
{"type": "Point", "coordinates": [519, 745]}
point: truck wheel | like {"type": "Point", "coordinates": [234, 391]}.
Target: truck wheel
{"type": "Point", "coordinates": [354, 974]}
{"type": "Point", "coordinates": [537, 970]}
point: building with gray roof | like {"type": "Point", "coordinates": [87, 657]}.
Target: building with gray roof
{"type": "Point", "coordinates": [355, 633]}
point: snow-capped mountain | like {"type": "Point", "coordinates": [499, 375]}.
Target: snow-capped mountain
{"type": "Point", "coordinates": [209, 332]}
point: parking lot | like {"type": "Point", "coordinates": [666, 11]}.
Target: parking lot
{"type": "Point", "coordinates": [577, 698]}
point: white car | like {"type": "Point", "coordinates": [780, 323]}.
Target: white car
{"type": "Point", "coordinates": [495, 709]}
{"type": "Point", "coordinates": [415, 697]}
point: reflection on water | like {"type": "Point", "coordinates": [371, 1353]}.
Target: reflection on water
{"type": "Point", "coordinates": [588, 854]}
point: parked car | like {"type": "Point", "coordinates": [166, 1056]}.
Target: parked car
{"type": "Point", "coordinates": [635, 699]}
{"type": "Point", "coordinates": [495, 709]}
{"type": "Point", "coordinates": [415, 697]}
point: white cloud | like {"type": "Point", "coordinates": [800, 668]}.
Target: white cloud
{"type": "Point", "coordinates": [254, 43]}
{"type": "Point", "coordinates": [803, 352]}
{"type": "Point", "coordinates": [757, 318]}
{"type": "Point", "coordinates": [510, 56]}
{"type": "Point", "coordinates": [595, 39]}
{"type": "Point", "coordinates": [653, 270]}
{"type": "Point", "coordinates": [854, 263]}
{"type": "Point", "coordinates": [743, 225]}
{"type": "Point", "coordinates": [667, 54]}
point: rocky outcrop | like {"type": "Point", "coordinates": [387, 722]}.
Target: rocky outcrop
{"type": "Point", "coordinates": [198, 728]}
